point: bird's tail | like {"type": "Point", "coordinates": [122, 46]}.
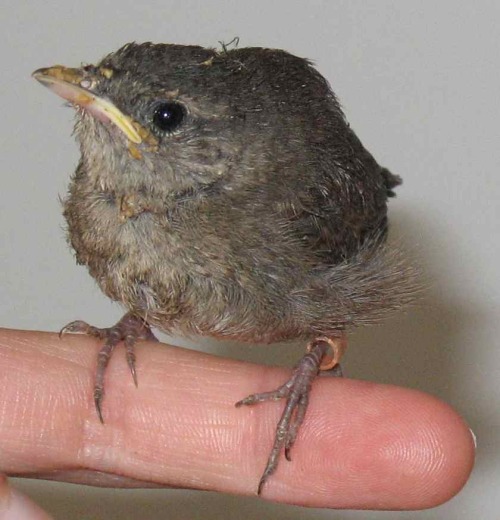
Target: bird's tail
{"type": "Point", "coordinates": [390, 180]}
{"type": "Point", "coordinates": [364, 289]}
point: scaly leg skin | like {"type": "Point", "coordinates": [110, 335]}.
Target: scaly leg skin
{"type": "Point", "coordinates": [129, 329]}
{"type": "Point", "coordinates": [323, 354]}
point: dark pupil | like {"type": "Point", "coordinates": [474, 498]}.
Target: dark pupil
{"type": "Point", "coordinates": [168, 116]}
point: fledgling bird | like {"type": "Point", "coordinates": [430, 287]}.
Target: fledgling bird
{"type": "Point", "coordinates": [223, 193]}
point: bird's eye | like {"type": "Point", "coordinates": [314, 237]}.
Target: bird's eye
{"type": "Point", "coordinates": [168, 115]}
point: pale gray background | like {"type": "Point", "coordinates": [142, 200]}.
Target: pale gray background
{"type": "Point", "coordinates": [419, 82]}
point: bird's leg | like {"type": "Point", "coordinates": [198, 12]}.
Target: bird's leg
{"type": "Point", "coordinates": [323, 354]}
{"type": "Point", "coordinates": [129, 329]}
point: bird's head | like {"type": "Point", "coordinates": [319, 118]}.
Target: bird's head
{"type": "Point", "coordinates": [186, 118]}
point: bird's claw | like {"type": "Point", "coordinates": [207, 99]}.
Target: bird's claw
{"type": "Point", "coordinates": [129, 329]}
{"type": "Point", "coordinates": [296, 392]}
{"type": "Point", "coordinates": [82, 327]}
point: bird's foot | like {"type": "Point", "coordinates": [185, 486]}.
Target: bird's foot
{"type": "Point", "coordinates": [323, 354]}
{"type": "Point", "coordinates": [129, 329]}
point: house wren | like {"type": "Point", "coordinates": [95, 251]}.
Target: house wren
{"type": "Point", "coordinates": [224, 194]}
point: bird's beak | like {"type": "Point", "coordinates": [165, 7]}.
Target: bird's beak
{"type": "Point", "coordinates": [67, 83]}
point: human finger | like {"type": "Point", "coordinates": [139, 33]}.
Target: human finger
{"type": "Point", "coordinates": [362, 445]}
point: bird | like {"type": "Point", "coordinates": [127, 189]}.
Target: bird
{"type": "Point", "coordinates": [222, 193]}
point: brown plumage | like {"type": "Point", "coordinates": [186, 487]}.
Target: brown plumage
{"type": "Point", "coordinates": [224, 194]}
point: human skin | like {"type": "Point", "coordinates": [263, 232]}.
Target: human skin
{"type": "Point", "coordinates": [362, 445]}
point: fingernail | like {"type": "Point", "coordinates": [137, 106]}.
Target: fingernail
{"type": "Point", "coordinates": [16, 506]}
{"type": "Point", "coordinates": [474, 438]}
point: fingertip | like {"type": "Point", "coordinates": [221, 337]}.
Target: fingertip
{"type": "Point", "coordinates": [369, 446]}
{"type": "Point", "coordinates": [442, 453]}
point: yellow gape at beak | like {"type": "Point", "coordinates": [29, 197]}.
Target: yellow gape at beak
{"type": "Point", "coordinates": [67, 83]}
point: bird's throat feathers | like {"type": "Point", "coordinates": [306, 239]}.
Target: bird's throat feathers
{"type": "Point", "coordinates": [123, 170]}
